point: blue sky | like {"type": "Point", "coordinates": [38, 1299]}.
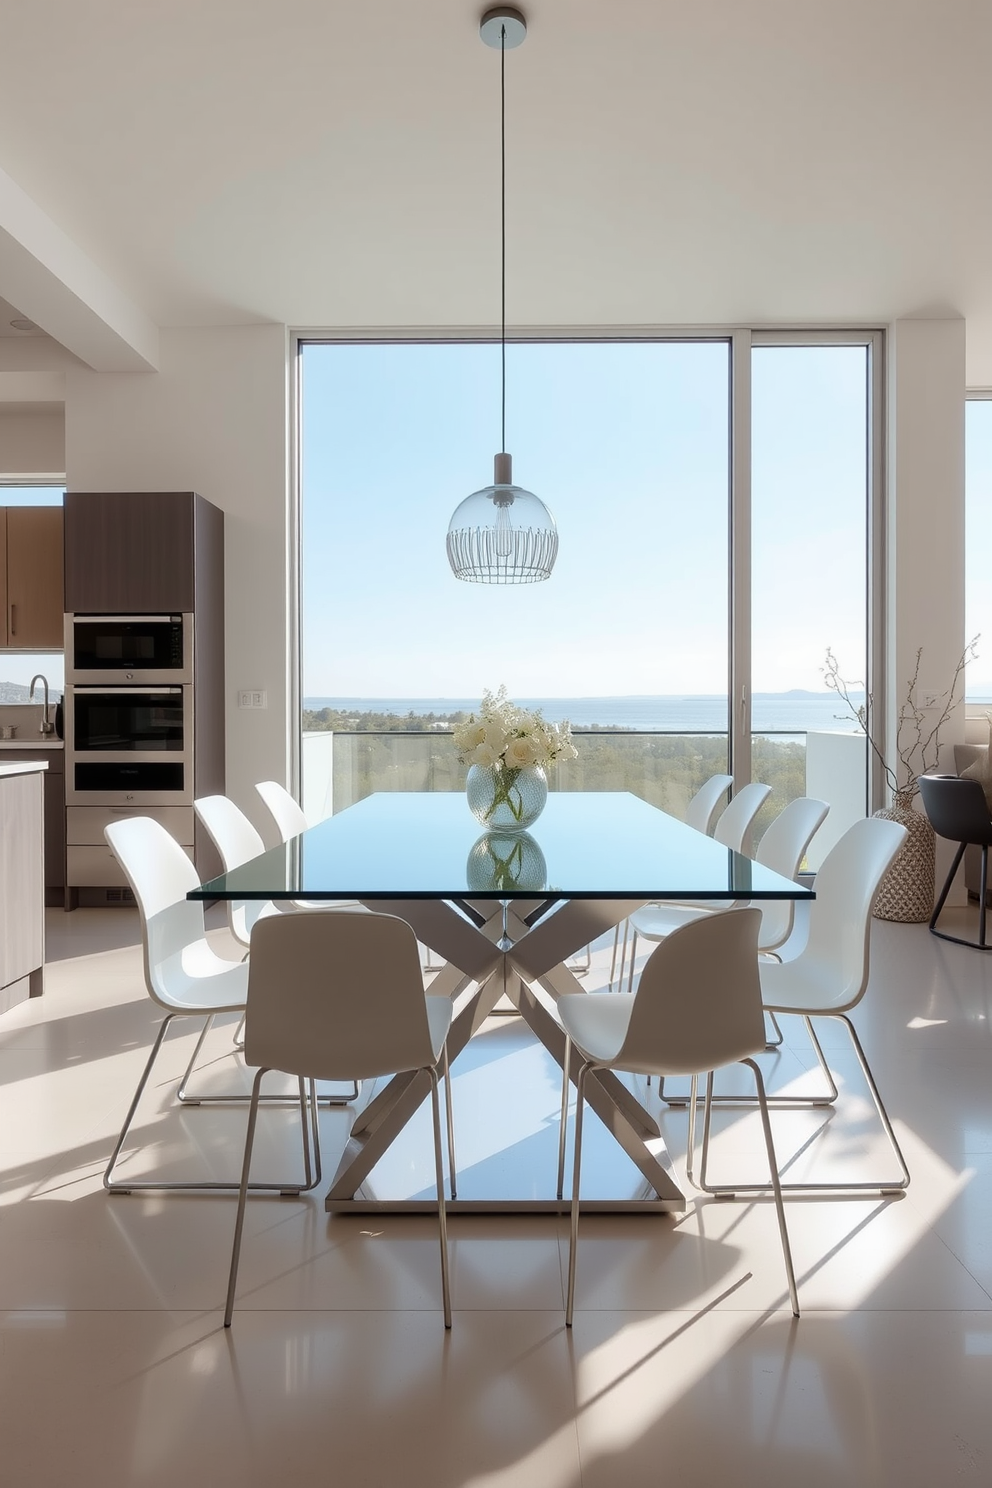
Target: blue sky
{"type": "Point", "coordinates": [627, 444]}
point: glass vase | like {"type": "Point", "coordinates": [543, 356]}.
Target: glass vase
{"type": "Point", "coordinates": [506, 799]}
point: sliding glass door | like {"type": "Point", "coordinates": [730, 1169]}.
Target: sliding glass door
{"type": "Point", "coordinates": [810, 524]}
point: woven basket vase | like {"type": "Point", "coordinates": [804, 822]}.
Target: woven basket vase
{"type": "Point", "coordinates": [906, 891]}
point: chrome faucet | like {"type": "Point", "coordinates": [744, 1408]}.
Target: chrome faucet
{"type": "Point", "coordinates": [47, 726]}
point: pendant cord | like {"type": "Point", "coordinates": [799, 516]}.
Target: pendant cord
{"type": "Point", "coordinates": [502, 168]}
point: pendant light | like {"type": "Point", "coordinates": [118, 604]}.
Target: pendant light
{"type": "Point", "coordinates": [502, 534]}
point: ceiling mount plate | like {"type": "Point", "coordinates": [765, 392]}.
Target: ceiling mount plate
{"type": "Point", "coordinates": [503, 19]}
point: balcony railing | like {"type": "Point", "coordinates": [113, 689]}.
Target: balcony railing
{"type": "Point", "coordinates": [665, 768]}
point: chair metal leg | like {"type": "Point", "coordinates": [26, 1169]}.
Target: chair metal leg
{"type": "Point", "coordinates": [564, 1116]}
{"type": "Point", "coordinates": [315, 1131]}
{"type": "Point", "coordinates": [151, 1185]}
{"type": "Point", "coordinates": [576, 1169]}
{"type": "Point", "coordinates": [776, 1186]}
{"type": "Point", "coordinates": [239, 1099]}
{"type": "Point", "coordinates": [633, 959]}
{"type": "Point", "coordinates": [239, 1224]}
{"type": "Point", "coordinates": [781, 1102]}
{"type": "Point", "coordinates": [108, 1182]}
{"type": "Point", "coordinates": [449, 1114]}
{"type": "Point", "coordinates": [889, 1186]}
{"type": "Point", "coordinates": [690, 1146]}
{"type": "Point", "coordinates": [981, 944]}
{"type": "Point", "coordinates": [441, 1213]}
{"type": "Point", "coordinates": [777, 1041]}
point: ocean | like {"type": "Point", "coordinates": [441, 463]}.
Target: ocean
{"type": "Point", "coordinates": [773, 712]}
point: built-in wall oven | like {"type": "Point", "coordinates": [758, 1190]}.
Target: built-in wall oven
{"type": "Point", "coordinates": [128, 710]}
{"type": "Point", "coordinates": [129, 746]}
{"type": "Point", "coordinates": [129, 648]}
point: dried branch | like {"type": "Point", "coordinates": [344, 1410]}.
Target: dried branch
{"type": "Point", "coordinates": [917, 742]}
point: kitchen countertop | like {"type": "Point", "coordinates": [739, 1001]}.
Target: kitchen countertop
{"type": "Point", "coordinates": [33, 741]}
{"type": "Point", "coordinates": [22, 767]}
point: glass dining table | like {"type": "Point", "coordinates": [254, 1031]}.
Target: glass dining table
{"type": "Point", "coordinates": [505, 912]}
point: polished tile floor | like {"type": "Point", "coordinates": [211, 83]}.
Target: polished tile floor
{"type": "Point", "coordinates": [684, 1366]}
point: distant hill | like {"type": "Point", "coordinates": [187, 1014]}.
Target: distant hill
{"type": "Point", "coordinates": [19, 692]}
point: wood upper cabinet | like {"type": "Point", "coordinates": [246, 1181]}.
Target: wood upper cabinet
{"type": "Point", "coordinates": [34, 602]}
{"type": "Point", "coordinates": [129, 552]}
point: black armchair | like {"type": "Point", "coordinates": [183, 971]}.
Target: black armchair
{"type": "Point", "coordinates": [958, 810]}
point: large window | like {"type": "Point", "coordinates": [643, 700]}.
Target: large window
{"type": "Point", "coordinates": [809, 568]}
{"type": "Point", "coordinates": [631, 445]}
{"type": "Point", "coordinates": [628, 445]}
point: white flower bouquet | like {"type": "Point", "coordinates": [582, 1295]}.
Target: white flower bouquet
{"type": "Point", "coordinates": [511, 738]}
{"type": "Point", "coordinates": [508, 749]}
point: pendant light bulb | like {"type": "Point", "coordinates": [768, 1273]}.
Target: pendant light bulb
{"type": "Point", "coordinates": [502, 534]}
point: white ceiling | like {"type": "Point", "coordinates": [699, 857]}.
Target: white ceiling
{"type": "Point", "coordinates": [670, 162]}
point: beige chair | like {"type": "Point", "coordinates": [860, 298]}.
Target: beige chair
{"type": "Point", "coordinates": [341, 997]}
{"type": "Point", "coordinates": [697, 1007]}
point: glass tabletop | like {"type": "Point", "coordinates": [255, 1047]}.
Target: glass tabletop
{"type": "Point", "coordinates": [585, 845]}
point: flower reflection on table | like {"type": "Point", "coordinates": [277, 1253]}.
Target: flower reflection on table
{"type": "Point", "coordinates": [506, 860]}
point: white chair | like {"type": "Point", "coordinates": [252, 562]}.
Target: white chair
{"type": "Point", "coordinates": [655, 921]}
{"type": "Point", "coordinates": [782, 849]}
{"type": "Point", "coordinates": [341, 997]}
{"type": "Point", "coordinates": [237, 842]}
{"type": "Point", "coordinates": [697, 1007]}
{"type": "Point", "coordinates": [700, 814]}
{"type": "Point", "coordinates": [291, 820]}
{"type": "Point", "coordinates": [183, 974]}
{"type": "Point", "coordinates": [829, 978]}
{"type": "Point", "coordinates": [285, 810]}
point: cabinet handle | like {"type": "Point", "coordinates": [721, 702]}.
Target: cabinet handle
{"type": "Point", "coordinates": [13, 619]}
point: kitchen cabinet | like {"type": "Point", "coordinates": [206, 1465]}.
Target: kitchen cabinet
{"type": "Point", "coordinates": [54, 812]}
{"type": "Point", "coordinates": [22, 915]}
{"type": "Point", "coordinates": [31, 577]}
{"type": "Point", "coordinates": [152, 553]}
{"type": "Point", "coordinates": [138, 552]}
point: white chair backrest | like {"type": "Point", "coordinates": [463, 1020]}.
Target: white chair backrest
{"type": "Point", "coordinates": [782, 849]}
{"type": "Point", "coordinates": [286, 812]}
{"type": "Point", "coordinates": [231, 832]}
{"type": "Point", "coordinates": [702, 809]}
{"type": "Point", "coordinates": [698, 1002]}
{"type": "Point", "coordinates": [734, 824]}
{"type": "Point", "coordinates": [160, 875]}
{"type": "Point", "coordinates": [840, 915]}
{"type": "Point", "coordinates": [336, 996]}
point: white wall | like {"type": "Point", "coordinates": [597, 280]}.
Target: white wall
{"type": "Point", "coordinates": [213, 419]}
{"type": "Point", "coordinates": [32, 444]}
{"type": "Point", "coordinates": [925, 537]}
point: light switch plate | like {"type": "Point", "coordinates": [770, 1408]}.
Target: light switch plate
{"type": "Point", "coordinates": [250, 697]}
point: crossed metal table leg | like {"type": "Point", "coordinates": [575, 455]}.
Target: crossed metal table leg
{"type": "Point", "coordinates": [517, 949]}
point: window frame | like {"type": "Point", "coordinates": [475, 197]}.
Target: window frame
{"type": "Point", "coordinates": [740, 341]}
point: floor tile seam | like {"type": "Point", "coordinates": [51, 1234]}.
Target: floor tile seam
{"type": "Point", "coordinates": [932, 1228]}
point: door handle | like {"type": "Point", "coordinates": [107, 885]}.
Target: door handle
{"type": "Point", "coordinates": [13, 619]}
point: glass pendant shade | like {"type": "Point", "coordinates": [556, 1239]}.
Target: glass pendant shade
{"type": "Point", "coordinates": [502, 534]}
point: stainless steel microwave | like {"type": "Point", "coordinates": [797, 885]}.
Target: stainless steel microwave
{"type": "Point", "coordinates": [131, 649]}
{"type": "Point", "coordinates": [129, 745]}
